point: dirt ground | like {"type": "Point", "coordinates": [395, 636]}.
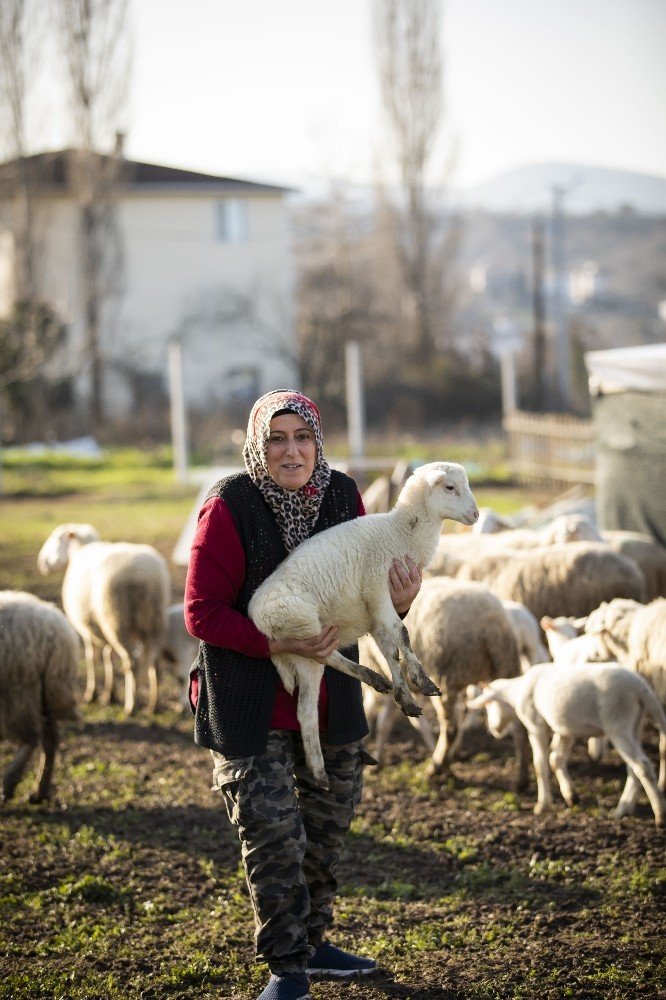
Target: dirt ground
{"type": "Point", "coordinates": [129, 884]}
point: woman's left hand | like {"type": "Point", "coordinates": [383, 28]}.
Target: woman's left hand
{"type": "Point", "coordinates": [404, 583]}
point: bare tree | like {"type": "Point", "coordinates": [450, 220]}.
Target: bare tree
{"type": "Point", "coordinates": [20, 37]}
{"type": "Point", "coordinates": [407, 34]}
{"type": "Point", "coordinates": [94, 36]}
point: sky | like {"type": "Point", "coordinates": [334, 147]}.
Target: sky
{"type": "Point", "coordinates": [287, 90]}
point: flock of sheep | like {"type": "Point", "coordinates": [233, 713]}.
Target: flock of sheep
{"type": "Point", "coordinates": [558, 634]}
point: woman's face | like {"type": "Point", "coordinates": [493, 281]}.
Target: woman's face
{"type": "Point", "coordinates": [291, 452]}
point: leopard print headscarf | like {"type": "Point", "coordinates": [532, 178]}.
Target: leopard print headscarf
{"type": "Point", "coordinates": [296, 511]}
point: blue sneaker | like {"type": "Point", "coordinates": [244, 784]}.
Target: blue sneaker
{"type": "Point", "coordinates": [331, 961]}
{"type": "Point", "coordinates": [292, 987]}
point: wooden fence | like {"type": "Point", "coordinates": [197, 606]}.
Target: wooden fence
{"type": "Point", "coordinates": [550, 449]}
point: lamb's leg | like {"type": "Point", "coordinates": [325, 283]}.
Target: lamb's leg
{"type": "Point", "coordinates": [15, 770]}
{"type": "Point", "coordinates": [307, 675]}
{"type": "Point", "coordinates": [392, 638]}
{"type": "Point", "coordinates": [634, 756]}
{"type": "Point", "coordinates": [441, 754]}
{"type": "Point", "coordinates": [91, 683]}
{"type": "Point", "coordinates": [519, 734]}
{"type": "Point", "coordinates": [539, 742]}
{"type": "Point", "coordinates": [365, 674]}
{"type": "Point", "coordinates": [629, 797]}
{"type": "Point", "coordinates": [560, 749]}
{"type": "Point", "coordinates": [106, 696]}
{"type": "Point", "coordinates": [49, 747]}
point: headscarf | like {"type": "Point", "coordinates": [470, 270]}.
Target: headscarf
{"type": "Point", "coordinates": [296, 511]}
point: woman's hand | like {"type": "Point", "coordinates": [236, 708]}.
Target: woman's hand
{"type": "Point", "coordinates": [404, 583]}
{"type": "Point", "coordinates": [319, 647]}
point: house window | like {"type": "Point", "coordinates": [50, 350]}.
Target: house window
{"type": "Point", "coordinates": [231, 221]}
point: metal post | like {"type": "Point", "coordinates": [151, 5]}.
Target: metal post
{"type": "Point", "coordinates": [355, 404]}
{"type": "Point", "coordinates": [177, 411]}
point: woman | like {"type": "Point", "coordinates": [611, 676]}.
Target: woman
{"type": "Point", "coordinates": [290, 830]}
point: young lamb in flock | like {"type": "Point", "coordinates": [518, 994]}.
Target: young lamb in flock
{"type": "Point", "coordinates": [578, 700]}
{"type": "Point", "coordinates": [39, 658]}
{"type": "Point", "coordinates": [115, 594]}
{"type": "Point", "coordinates": [340, 577]}
{"type": "Point", "coordinates": [636, 635]}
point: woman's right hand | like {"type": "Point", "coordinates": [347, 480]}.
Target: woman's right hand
{"type": "Point", "coordinates": [318, 648]}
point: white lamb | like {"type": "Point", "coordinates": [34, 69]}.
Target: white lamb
{"type": "Point", "coordinates": [635, 634]}
{"type": "Point", "coordinates": [39, 659]}
{"type": "Point", "coordinates": [572, 701]}
{"type": "Point", "coordinates": [115, 595]}
{"type": "Point", "coordinates": [340, 577]}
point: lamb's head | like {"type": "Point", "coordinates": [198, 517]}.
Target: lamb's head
{"type": "Point", "coordinates": [570, 528]}
{"type": "Point", "coordinates": [56, 550]}
{"type": "Point", "coordinates": [444, 488]}
{"type": "Point", "coordinates": [611, 620]}
{"type": "Point", "coordinates": [499, 712]}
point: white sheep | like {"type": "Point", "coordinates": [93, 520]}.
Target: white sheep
{"type": "Point", "coordinates": [569, 580]}
{"type": "Point", "coordinates": [528, 634]}
{"type": "Point", "coordinates": [647, 553]}
{"type": "Point", "coordinates": [39, 656]}
{"type": "Point", "coordinates": [115, 595]}
{"type": "Point", "coordinates": [636, 635]}
{"type": "Point", "coordinates": [180, 649]}
{"type": "Point", "coordinates": [340, 577]}
{"type": "Point", "coordinates": [572, 701]}
{"type": "Point", "coordinates": [462, 635]}
{"type": "Point", "coordinates": [568, 645]}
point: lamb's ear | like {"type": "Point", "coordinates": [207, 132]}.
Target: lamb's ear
{"type": "Point", "coordinates": [435, 477]}
{"type": "Point", "coordinates": [486, 696]}
{"type": "Point", "coordinates": [546, 623]}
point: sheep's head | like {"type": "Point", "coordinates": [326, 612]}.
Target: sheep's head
{"type": "Point", "coordinates": [55, 552]}
{"type": "Point", "coordinates": [499, 713]}
{"type": "Point", "coordinates": [446, 489]}
{"type": "Point", "coordinates": [611, 618]}
{"type": "Point", "coordinates": [570, 528]}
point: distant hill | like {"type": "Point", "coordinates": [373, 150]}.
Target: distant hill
{"type": "Point", "coordinates": [589, 189]}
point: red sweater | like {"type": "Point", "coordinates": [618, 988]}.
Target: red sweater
{"type": "Point", "coordinates": [214, 578]}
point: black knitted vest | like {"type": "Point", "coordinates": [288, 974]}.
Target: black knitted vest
{"type": "Point", "coordinates": [237, 692]}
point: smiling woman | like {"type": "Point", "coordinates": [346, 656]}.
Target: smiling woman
{"type": "Point", "coordinates": [291, 831]}
{"type": "Point", "coordinates": [291, 451]}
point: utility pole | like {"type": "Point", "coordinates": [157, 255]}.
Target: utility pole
{"type": "Point", "coordinates": [539, 315]}
{"type": "Point", "coordinates": [559, 299]}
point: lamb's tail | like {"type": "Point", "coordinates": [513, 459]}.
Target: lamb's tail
{"type": "Point", "coordinates": [653, 708]}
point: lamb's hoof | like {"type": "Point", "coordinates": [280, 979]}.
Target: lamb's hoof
{"type": "Point", "coordinates": [430, 690]}
{"type": "Point", "coordinates": [322, 783]}
{"type": "Point", "coordinates": [412, 709]}
{"type": "Point", "coordinates": [35, 798]}
{"type": "Point", "coordinates": [382, 686]}
{"type": "Point", "coordinates": [541, 808]}
{"type": "Point", "coordinates": [88, 697]}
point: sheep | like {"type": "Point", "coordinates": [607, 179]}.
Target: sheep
{"type": "Point", "coordinates": [180, 649]}
{"type": "Point", "coordinates": [636, 635]}
{"type": "Point", "coordinates": [567, 645]}
{"type": "Point", "coordinates": [528, 634]}
{"type": "Point", "coordinates": [569, 580]}
{"type": "Point", "coordinates": [461, 634]}
{"type": "Point", "coordinates": [482, 648]}
{"type": "Point", "coordinates": [340, 577]}
{"type": "Point", "coordinates": [115, 595]}
{"type": "Point", "coordinates": [648, 554]}
{"type": "Point", "coordinates": [578, 700]}
{"type": "Point", "coordinates": [39, 656]}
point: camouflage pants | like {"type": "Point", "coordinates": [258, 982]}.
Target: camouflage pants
{"type": "Point", "coordinates": [291, 835]}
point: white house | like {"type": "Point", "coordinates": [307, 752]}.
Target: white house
{"type": "Point", "coordinates": [203, 259]}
